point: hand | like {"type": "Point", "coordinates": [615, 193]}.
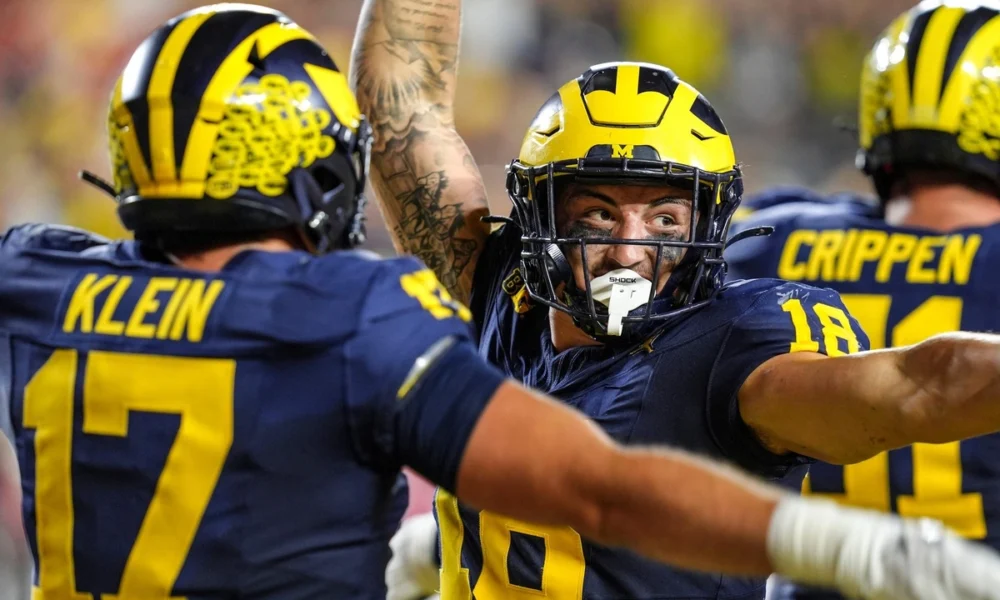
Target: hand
{"type": "Point", "coordinates": [413, 572]}
{"type": "Point", "coordinates": [873, 556]}
{"type": "Point", "coordinates": [925, 562]}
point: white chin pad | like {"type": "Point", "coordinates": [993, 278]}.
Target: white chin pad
{"type": "Point", "coordinates": [621, 290]}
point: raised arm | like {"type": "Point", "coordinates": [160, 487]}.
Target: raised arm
{"type": "Point", "coordinates": [849, 408]}
{"type": "Point", "coordinates": [403, 70]}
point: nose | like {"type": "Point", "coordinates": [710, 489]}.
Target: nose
{"type": "Point", "coordinates": [628, 256]}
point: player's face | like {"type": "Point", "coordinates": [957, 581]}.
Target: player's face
{"type": "Point", "coordinates": [624, 212]}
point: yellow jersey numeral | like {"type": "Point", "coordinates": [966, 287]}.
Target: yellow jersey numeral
{"type": "Point", "coordinates": [562, 572]}
{"type": "Point", "coordinates": [937, 468]}
{"type": "Point", "coordinates": [199, 390]}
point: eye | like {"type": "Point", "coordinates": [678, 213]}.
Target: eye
{"type": "Point", "coordinates": [599, 214]}
{"type": "Point", "coordinates": [664, 221]}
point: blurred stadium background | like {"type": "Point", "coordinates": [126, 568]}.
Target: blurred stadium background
{"type": "Point", "coordinates": [779, 72]}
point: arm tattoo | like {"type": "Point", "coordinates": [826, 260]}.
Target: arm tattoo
{"type": "Point", "coordinates": [426, 221]}
{"type": "Point", "coordinates": [403, 69]}
{"type": "Point", "coordinates": [429, 228]}
{"type": "Point", "coordinates": [406, 57]}
{"type": "Point", "coordinates": [426, 20]}
{"type": "Point", "coordinates": [416, 74]}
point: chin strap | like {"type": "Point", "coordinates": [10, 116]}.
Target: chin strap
{"type": "Point", "coordinates": [98, 183]}
{"type": "Point", "coordinates": [494, 219]}
{"type": "Point", "coordinates": [555, 261]}
{"type": "Point", "coordinates": [763, 230]}
{"type": "Point", "coordinates": [557, 265]}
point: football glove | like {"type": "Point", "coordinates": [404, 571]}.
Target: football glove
{"type": "Point", "coordinates": [413, 571]}
{"type": "Point", "coordinates": [874, 556]}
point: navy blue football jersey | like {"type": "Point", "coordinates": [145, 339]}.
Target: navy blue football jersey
{"type": "Point", "coordinates": [903, 284]}
{"type": "Point", "coordinates": [236, 434]}
{"type": "Point", "coordinates": [678, 388]}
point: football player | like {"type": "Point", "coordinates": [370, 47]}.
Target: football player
{"type": "Point", "coordinates": [604, 288]}
{"type": "Point", "coordinates": [220, 408]}
{"type": "Point", "coordinates": [921, 259]}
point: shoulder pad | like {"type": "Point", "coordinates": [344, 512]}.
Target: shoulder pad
{"type": "Point", "coordinates": [744, 292]}
{"type": "Point", "coordinates": [801, 197]}
{"type": "Point", "coordinates": [787, 210]}
{"type": "Point", "coordinates": [335, 271]}
{"type": "Point", "coordinates": [298, 299]}
{"type": "Point", "coordinates": [376, 282]}
{"type": "Point", "coordinates": [780, 195]}
{"type": "Point", "coordinates": [758, 290]}
{"type": "Point", "coordinates": [42, 236]}
{"type": "Point", "coordinates": [827, 320]}
{"type": "Point", "coordinates": [404, 284]}
{"type": "Point", "coordinates": [752, 287]}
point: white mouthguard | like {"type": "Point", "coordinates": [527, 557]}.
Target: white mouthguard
{"type": "Point", "coordinates": [621, 291]}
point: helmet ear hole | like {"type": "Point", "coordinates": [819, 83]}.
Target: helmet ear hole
{"type": "Point", "coordinates": [332, 206]}
{"type": "Point", "coordinates": [556, 264]}
{"type": "Point", "coordinates": [306, 190]}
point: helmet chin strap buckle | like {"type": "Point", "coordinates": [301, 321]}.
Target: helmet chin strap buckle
{"type": "Point", "coordinates": [319, 225]}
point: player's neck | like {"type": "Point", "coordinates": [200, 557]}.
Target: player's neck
{"type": "Point", "coordinates": [217, 258]}
{"type": "Point", "coordinates": [565, 333]}
{"type": "Point", "coordinates": [943, 208]}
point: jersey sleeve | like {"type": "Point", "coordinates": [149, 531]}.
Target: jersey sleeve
{"type": "Point", "coordinates": [497, 278]}
{"type": "Point", "coordinates": [416, 386]}
{"type": "Point", "coordinates": [786, 317]}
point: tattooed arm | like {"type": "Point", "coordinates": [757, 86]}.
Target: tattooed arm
{"type": "Point", "coordinates": [403, 70]}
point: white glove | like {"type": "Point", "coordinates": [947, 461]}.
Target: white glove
{"type": "Point", "coordinates": [413, 573]}
{"type": "Point", "coordinates": [878, 557]}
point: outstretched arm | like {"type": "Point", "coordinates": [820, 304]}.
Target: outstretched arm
{"type": "Point", "coordinates": [695, 515]}
{"type": "Point", "coordinates": [513, 464]}
{"type": "Point", "coordinates": [403, 70]}
{"type": "Point", "coordinates": [849, 408]}
{"type": "Point", "coordinates": [505, 449]}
